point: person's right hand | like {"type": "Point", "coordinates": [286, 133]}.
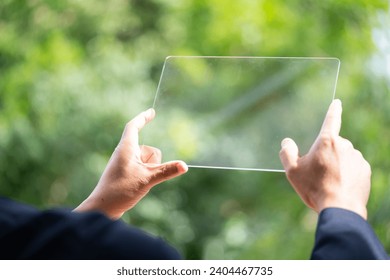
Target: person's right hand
{"type": "Point", "coordinates": [131, 172]}
{"type": "Point", "coordinates": [332, 173]}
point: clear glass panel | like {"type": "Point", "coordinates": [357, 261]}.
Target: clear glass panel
{"type": "Point", "coordinates": [233, 112]}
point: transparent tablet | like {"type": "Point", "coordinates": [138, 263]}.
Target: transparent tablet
{"type": "Point", "coordinates": [233, 112]}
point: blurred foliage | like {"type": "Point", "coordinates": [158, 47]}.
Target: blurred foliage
{"type": "Point", "coordinates": [72, 72]}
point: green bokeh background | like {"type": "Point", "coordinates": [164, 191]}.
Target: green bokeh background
{"type": "Point", "coordinates": [73, 72]}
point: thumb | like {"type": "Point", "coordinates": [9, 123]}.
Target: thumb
{"type": "Point", "coordinates": [166, 171]}
{"type": "Point", "coordinates": [289, 154]}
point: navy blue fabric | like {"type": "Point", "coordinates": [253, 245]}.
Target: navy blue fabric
{"type": "Point", "coordinates": [28, 233]}
{"type": "Point", "coordinates": [344, 235]}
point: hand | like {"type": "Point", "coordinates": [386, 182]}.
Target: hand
{"type": "Point", "coordinates": [131, 172]}
{"type": "Point", "coordinates": [332, 173]}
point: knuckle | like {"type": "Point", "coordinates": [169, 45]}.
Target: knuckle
{"type": "Point", "coordinates": [291, 171]}
{"type": "Point", "coordinates": [282, 152]}
{"type": "Point", "coordinates": [129, 125]}
{"type": "Point", "coordinates": [165, 171]}
{"type": "Point", "coordinates": [144, 181]}
{"type": "Point", "coordinates": [347, 143]}
{"type": "Point", "coordinates": [162, 173]}
{"type": "Point", "coordinates": [368, 167]}
{"type": "Point", "coordinates": [168, 170]}
{"type": "Point", "coordinates": [327, 140]}
{"type": "Point", "coordinates": [130, 122]}
{"type": "Point", "coordinates": [359, 154]}
{"type": "Point", "coordinates": [157, 152]}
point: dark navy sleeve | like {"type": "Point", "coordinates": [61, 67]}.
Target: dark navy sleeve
{"type": "Point", "coordinates": [344, 235]}
{"type": "Point", "coordinates": [28, 233]}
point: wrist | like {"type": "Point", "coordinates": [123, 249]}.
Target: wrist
{"type": "Point", "coordinates": [357, 208]}
{"type": "Point", "coordinates": [93, 204]}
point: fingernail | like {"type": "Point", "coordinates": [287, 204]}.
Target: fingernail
{"type": "Point", "coordinates": [181, 167]}
{"type": "Point", "coordinates": [337, 101]}
{"type": "Point", "coordinates": [150, 112]}
{"type": "Point", "coordinates": [185, 167]}
{"type": "Point", "coordinates": [285, 141]}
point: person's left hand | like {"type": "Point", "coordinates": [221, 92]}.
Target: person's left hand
{"type": "Point", "coordinates": [131, 172]}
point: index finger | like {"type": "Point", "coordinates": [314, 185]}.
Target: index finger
{"type": "Point", "coordinates": [133, 127]}
{"type": "Point", "coordinates": [332, 121]}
